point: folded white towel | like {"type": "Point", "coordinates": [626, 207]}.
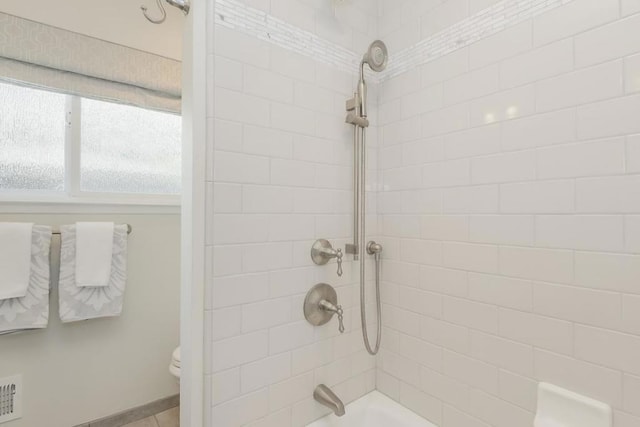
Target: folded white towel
{"type": "Point", "coordinates": [94, 251]}
{"type": "Point", "coordinates": [32, 310]}
{"type": "Point", "coordinates": [82, 303]}
{"type": "Point", "coordinates": [15, 259]}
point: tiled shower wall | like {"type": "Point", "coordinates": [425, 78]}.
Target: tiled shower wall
{"type": "Point", "coordinates": [510, 211]}
{"type": "Point", "coordinates": [508, 207]}
{"type": "Point", "coordinates": [281, 178]}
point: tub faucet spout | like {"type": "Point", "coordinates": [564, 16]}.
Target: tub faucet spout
{"type": "Point", "coordinates": [328, 398]}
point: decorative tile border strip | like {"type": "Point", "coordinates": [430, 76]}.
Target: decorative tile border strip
{"type": "Point", "coordinates": [483, 24]}
{"type": "Point", "coordinates": [494, 19]}
{"type": "Point", "coordinates": [238, 16]}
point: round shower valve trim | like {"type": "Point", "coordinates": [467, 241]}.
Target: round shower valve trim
{"type": "Point", "coordinates": [320, 304]}
{"type": "Point", "coordinates": [322, 251]}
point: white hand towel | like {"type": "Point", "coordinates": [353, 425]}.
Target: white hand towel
{"type": "Point", "coordinates": [32, 310]}
{"type": "Point", "coordinates": [82, 303]}
{"type": "Point", "coordinates": [15, 259]}
{"type": "Point", "coordinates": [94, 252]}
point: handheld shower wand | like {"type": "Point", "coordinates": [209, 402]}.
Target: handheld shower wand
{"type": "Point", "coordinates": [376, 58]}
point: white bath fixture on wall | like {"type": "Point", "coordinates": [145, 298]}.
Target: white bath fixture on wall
{"type": "Point", "coordinates": [558, 407]}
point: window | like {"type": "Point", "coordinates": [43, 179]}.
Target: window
{"type": "Point", "coordinates": [32, 138]}
{"type": "Point", "coordinates": [82, 149]}
{"type": "Point", "coordinates": [128, 149]}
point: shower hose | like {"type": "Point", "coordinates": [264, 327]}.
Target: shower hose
{"type": "Point", "coordinates": [372, 247]}
{"type": "Point", "coordinates": [363, 310]}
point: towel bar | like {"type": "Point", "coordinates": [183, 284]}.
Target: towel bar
{"type": "Point", "coordinates": [129, 230]}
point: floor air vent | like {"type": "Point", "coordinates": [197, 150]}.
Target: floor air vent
{"type": "Point", "coordinates": [10, 398]}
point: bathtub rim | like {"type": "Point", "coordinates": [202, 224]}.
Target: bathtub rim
{"type": "Point", "coordinates": [374, 397]}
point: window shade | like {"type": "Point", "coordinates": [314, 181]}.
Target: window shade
{"type": "Point", "coordinates": [43, 56]}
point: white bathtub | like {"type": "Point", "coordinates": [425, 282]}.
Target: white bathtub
{"type": "Point", "coordinates": [374, 410]}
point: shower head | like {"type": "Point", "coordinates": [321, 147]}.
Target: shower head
{"type": "Point", "coordinates": [376, 56]}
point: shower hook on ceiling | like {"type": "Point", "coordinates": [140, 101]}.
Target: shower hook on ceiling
{"type": "Point", "coordinates": [183, 5]}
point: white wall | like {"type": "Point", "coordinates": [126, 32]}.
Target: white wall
{"type": "Point", "coordinates": [194, 163]}
{"type": "Point", "coordinates": [83, 371]}
{"type": "Point", "coordinates": [279, 176]}
{"type": "Point", "coordinates": [79, 372]}
{"type": "Point", "coordinates": [510, 213]}
{"type": "Point", "coordinates": [117, 21]}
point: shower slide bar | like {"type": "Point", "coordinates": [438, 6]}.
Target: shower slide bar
{"type": "Point", "coordinates": [376, 58]}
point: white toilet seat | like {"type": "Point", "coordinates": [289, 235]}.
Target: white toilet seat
{"type": "Point", "coordinates": [174, 370]}
{"type": "Point", "coordinates": [174, 366]}
{"type": "Point", "coordinates": [175, 356]}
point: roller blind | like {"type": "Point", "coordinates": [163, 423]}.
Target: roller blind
{"type": "Point", "coordinates": [43, 56]}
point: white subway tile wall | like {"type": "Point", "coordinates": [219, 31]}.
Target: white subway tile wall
{"type": "Point", "coordinates": [280, 177]}
{"type": "Point", "coordinates": [504, 159]}
{"type": "Point", "coordinates": [528, 247]}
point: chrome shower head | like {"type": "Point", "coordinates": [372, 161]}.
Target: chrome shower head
{"type": "Point", "coordinates": [376, 56]}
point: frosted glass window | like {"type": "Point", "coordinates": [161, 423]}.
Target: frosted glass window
{"type": "Point", "coordinates": [32, 135]}
{"type": "Point", "coordinates": [128, 149]}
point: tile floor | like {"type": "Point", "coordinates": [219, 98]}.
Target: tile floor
{"type": "Point", "coordinates": [168, 418]}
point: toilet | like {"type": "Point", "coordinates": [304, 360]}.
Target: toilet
{"type": "Point", "coordinates": [174, 366]}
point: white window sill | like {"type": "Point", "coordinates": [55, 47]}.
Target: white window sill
{"type": "Point", "coordinates": [48, 203]}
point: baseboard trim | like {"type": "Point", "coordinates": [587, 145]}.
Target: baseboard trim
{"type": "Point", "coordinates": [135, 414]}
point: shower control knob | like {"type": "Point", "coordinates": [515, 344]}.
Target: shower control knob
{"type": "Point", "coordinates": [339, 259]}
{"type": "Point", "coordinates": [320, 304]}
{"type": "Point", "coordinates": [340, 320]}
{"type": "Point", "coordinates": [322, 251]}
{"type": "Point", "coordinates": [337, 309]}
